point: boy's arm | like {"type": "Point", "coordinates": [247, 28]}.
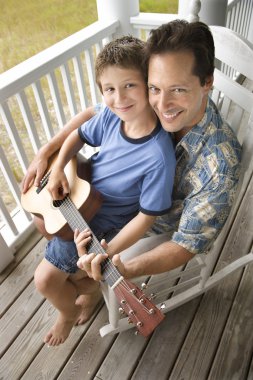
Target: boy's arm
{"type": "Point", "coordinates": [58, 184]}
{"type": "Point", "coordinates": [39, 164]}
{"type": "Point", "coordinates": [131, 233]}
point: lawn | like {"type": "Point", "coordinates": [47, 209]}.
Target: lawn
{"type": "Point", "coordinates": [29, 26]}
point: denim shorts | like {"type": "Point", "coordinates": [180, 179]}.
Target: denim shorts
{"type": "Point", "coordinates": [63, 254]}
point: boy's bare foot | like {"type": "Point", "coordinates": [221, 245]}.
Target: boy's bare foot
{"type": "Point", "coordinates": [59, 332]}
{"type": "Point", "coordinates": [88, 303]}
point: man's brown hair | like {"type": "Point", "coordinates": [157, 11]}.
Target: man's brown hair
{"type": "Point", "coordinates": [180, 35]}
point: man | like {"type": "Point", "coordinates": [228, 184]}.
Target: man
{"type": "Point", "coordinates": [180, 76]}
{"type": "Point", "coordinates": [181, 63]}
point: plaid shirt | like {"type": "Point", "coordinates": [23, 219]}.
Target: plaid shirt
{"type": "Point", "coordinates": [207, 173]}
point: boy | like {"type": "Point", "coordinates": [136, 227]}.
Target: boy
{"type": "Point", "coordinates": [133, 171]}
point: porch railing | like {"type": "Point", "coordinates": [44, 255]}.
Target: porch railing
{"type": "Point", "coordinates": [40, 94]}
{"type": "Point", "coordinates": [36, 98]}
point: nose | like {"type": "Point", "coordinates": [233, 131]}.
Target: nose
{"type": "Point", "coordinates": [161, 101]}
{"type": "Point", "coordinates": [164, 100]}
{"type": "Point", "coordinates": [119, 95]}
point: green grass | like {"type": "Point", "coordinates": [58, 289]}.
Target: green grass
{"type": "Point", "coordinates": [29, 26]}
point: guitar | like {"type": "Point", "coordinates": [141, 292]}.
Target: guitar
{"type": "Point", "coordinates": [140, 310]}
{"type": "Point", "coordinates": [38, 201]}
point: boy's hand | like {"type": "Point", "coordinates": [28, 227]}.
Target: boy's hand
{"type": "Point", "coordinates": [82, 239]}
{"type": "Point", "coordinates": [58, 185]}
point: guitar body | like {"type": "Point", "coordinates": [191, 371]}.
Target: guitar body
{"type": "Point", "coordinates": [48, 218]}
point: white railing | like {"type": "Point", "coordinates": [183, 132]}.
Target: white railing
{"type": "Point", "coordinates": [36, 98]}
{"type": "Point", "coordinates": [239, 15]}
{"type": "Point", "coordinates": [40, 94]}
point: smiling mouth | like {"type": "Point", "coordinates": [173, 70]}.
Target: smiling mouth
{"type": "Point", "coordinates": [123, 109]}
{"type": "Point", "coordinates": [170, 116]}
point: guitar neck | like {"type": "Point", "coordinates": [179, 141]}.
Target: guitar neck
{"type": "Point", "coordinates": [75, 220]}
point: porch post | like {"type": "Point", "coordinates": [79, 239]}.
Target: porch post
{"type": "Point", "coordinates": [189, 10]}
{"type": "Point", "coordinates": [6, 255]}
{"type": "Point", "coordinates": [213, 12]}
{"type": "Point", "coordinates": [120, 10]}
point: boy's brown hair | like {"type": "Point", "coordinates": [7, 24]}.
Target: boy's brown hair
{"type": "Point", "coordinates": [124, 52]}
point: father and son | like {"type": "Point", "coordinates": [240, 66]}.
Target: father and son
{"type": "Point", "coordinates": [167, 168]}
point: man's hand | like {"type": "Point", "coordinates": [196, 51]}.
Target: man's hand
{"type": "Point", "coordinates": [91, 263]}
{"type": "Point", "coordinates": [35, 172]}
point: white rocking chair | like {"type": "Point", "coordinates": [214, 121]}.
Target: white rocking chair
{"type": "Point", "coordinates": [234, 61]}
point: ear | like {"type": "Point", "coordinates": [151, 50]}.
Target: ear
{"type": "Point", "coordinates": [208, 84]}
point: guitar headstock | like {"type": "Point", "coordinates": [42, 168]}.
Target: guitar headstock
{"type": "Point", "coordinates": [140, 310]}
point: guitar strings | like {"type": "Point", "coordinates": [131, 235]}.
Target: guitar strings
{"type": "Point", "coordinates": [76, 221]}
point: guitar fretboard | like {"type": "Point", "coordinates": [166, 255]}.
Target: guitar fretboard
{"type": "Point", "coordinates": [76, 221]}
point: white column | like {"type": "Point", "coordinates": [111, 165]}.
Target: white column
{"type": "Point", "coordinates": [6, 255]}
{"type": "Point", "coordinates": [120, 10]}
{"type": "Point", "coordinates": [213, 12]}
{"type": "Point", "coordinates": [189, 10]}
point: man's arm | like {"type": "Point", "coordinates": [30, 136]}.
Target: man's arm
{"type": "Point", "coordinates": [165, 257]}
{"type": "Point", "coordinates": [39, 164]}
{"type": "Point", "coordinates": [58, 185]}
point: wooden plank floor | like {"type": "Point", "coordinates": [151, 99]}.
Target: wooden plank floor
{"type": "Point", "coordinates": [209, 337]}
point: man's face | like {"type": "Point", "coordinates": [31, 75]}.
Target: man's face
{"type": "Point", "coordinates": [174, 92]}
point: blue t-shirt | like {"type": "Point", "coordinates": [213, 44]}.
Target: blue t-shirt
{"type": "Point", "coordinates": [131, 174]}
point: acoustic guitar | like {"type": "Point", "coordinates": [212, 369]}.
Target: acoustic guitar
{"type": "Point", "coordinates": [140, 310]}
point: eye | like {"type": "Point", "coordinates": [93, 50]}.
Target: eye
{"type": "Point", "coordinates": [130, 85]}
{"type": "Point", "coordinates": [153, 90]}
{"type": "Point", "coordinates": [108, 89]}
{"type": "Point", "coordinates": [179, 90]}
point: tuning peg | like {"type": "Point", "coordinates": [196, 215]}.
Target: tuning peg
{"type": "Point", "coordinates": [121, 311]}
{"type": "Point", "coordinates": [151, 311]}
{"type": "Point", "coordinates": [136, 332]}
{"type": "Point", "coordinates": [134, 291]}
{"type": "Point", "coordinates": [162, 306]}
{"type": "Point", "coordinates": [129, 320]}
{"type": "Point", "coordinates": [152, 296]}
{"type": "Point", "coordinates": [144, 286]}
{"type": "Point", "coordinates": [139, 324]}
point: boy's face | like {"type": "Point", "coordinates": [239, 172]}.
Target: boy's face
{"type": "Point", "coordinates": [125, 92]}
{"type": "Point", "coordinates": [174, 92]}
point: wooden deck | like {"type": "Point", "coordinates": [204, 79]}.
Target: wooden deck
{"type": "Point", "coordinates": [209, 337]}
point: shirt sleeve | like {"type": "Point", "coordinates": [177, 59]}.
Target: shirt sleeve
{"type": "Point", "coordinates": [157, 186]}
{"type": "Point", "coordinates": [91, 132]}
{"type": "Point", "coordinates": [205, 210]}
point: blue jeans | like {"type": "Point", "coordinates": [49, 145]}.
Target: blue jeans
{"type": "Point", "coordinates": [63, 254]}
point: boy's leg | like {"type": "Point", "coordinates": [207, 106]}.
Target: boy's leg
{"type": "Point", "coordinates": [89, 295]}
{"type": "Point", "coordinates": [53, 284]}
